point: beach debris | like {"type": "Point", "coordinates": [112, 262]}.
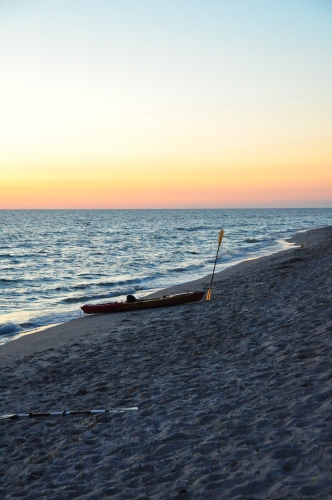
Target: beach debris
{"type": "Point", "coordinates": [209, 293]}
{"type": "Point", "coordinates": [13, 416]}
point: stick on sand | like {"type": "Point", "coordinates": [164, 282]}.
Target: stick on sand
{"type": "Point", "coordinates": [65, 413]}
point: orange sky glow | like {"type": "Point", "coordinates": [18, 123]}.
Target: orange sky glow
{"type": "Point", "coordinates": [166, 106]}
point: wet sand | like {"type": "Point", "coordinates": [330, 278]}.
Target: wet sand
{"type": "Point", "coordinates": [234, 395]}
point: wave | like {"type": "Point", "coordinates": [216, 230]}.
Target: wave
{"type": "Point", "coordinates": [90, 275]}
{"type": "Point", "coordinates": [81, 287]}
{"type": "Point", "coordinates": [29, 325]}
{"type": "Point", "coordinates": [85, 298]}
{"type": "Point", "coordinates": [112, 284]}
{"type": "Point", "coordinates": [22, 280]}
{"type": "Point", "coordinates": [198, 228]}
{"type": "Point", "coordinates": [89, 298]}
{"type": "Point", "coordinates": [120, 282]}
{"type": "Point", "coordinates": [194, 267]}
{"type": "Point", "coordinates": [9, 328]}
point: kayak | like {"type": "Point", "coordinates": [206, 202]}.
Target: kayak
{"type": "Point", "coordinates": [166, 301]}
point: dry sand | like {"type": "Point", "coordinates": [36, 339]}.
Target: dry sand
{"type": "Point", "coordinates": [234, 395]}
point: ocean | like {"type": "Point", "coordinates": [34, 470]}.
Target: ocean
{"type": "Point", "coordinates": [54, 261]}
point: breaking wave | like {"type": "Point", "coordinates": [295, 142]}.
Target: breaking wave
{"type": "Point", "coordinates": [9, 328]}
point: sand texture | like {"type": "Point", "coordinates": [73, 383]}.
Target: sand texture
{"type": "Point", "coordinates": [234, 395]}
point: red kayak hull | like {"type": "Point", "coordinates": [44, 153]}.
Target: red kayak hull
{"type": "Point", "coordinates": [170, 300]}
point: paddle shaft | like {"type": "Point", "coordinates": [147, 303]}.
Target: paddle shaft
{"type": "Point", "coordinates": [214, 268]}
{"type": "Point", "coordinates": [221, 234]}
{"type": "Point", "coordinates": [65, 413]}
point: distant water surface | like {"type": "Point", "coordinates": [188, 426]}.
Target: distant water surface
{"type": "Point", "coordinates": [54, 261]}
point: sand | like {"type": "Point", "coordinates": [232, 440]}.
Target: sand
{"type": "Point", "coordinates": [234, 395]}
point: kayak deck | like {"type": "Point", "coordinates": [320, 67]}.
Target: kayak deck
{"type": "Point", "coordinates": [167, 301]}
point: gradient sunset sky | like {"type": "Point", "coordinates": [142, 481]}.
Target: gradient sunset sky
{"type": "Point", "coordinates": [165, 104]}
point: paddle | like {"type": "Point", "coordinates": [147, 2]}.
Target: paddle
{"type": "Point", "coordinates": [64, 413]}
{"type": "Point", "coordinates": [209, 293]}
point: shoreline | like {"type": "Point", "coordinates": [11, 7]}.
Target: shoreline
{"type": "Point", "coordinates": [54, 330]}
{"type": "Point", "coordinates": [296, 240]}
{"type": "Point", "coordinates": [233, 394]}
{"type": "Point", "coordinates": [9, 337]}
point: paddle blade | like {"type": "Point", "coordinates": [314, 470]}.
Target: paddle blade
{"type": "Point", "coordinates": [221, 234]}
{"type": "Point", "coordinates": [208, 295]}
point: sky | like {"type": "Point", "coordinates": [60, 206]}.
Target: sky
{"type": "Point", "coordinates": [165, 104]}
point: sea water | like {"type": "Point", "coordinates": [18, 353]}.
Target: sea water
{"type": "Point", "coordinates": [54, 261]}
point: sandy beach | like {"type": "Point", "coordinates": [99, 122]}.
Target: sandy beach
{"type": "Point", "coordinates": [234, 395]}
